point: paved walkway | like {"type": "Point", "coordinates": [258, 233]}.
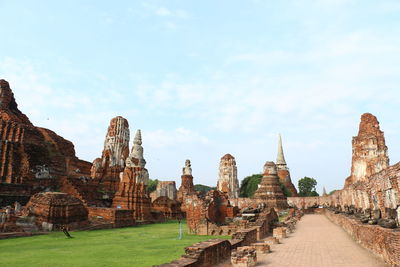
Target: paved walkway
{"type": "Point", "coordinates": [317, 242]}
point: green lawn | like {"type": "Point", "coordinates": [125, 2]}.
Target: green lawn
{"type": "Point", "coordinates": [144, 245]}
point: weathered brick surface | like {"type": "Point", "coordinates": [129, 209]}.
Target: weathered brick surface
{"type": "Point", "coordinates": [269, 191]}
{"type": "Point", "coordinates": [117, 217]}
{"type": "Point", "coordinates": [383, 242]}
{"type": "Point", "coordinates": [57, 209]}
{"type": "Point", "coordinates": [26, 147]}
{"type": "Point", "coordinates": [171, 209]}
{"type": "Point", "coordinates": [204, 254]}
{"type": "Point", "coordinates": [227, 177]}
{"type": "Point", "coordinates": [244, 257]}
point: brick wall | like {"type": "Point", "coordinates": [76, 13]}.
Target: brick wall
{"type": "Point", "coordinates": [118, 217]}
{"type": "Point", "coordinates": [381, 241]}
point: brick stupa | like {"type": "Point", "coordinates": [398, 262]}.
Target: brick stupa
{"type": "Point", "coordinates": [283, 170]}
{"type": "Point", "coordinates": [116, 149]}
{"type": "Point", "coordinates": [132, 191]}
{"type": "Point", "coordinates": [269, 191]}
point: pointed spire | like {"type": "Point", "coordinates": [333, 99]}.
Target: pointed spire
{"type": "Point", "coordinates": [324, 191]}
{"type": "Point", "coordinates": [280, 159]}
{"type": "Point", "coordinates": [136, 156]}
{"type": "Point", "coordinates": [138, 138]}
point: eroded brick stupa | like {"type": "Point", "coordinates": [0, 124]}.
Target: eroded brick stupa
{"type": "Point", "coordinates": [269, 191]}
{"type": "Point", "coordinates": [116, 150]}
{"type": "Point", "coordinates": [132, 191]}
{"type": "Point", "coordinates": [187, 187]}
{"type": "Point", "coordinates": [227, 178]}
{"type": "Point", "coordinates": [370, 153]}
{"type": "Point", "coordinates": [283, 170]}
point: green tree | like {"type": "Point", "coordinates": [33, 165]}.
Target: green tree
{"type": "Point", "coordinates": [203, 188]}
{"type": "Point", "coordinates": [307, 187]}
{"type": "Point", "coordinates": [152, 186]}
{"type": "Point", "coordinates": [249, 185]}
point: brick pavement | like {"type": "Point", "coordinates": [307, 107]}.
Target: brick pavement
{"type": "Point", "coordinates": [318, 242]}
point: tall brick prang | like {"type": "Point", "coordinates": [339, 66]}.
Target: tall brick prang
{"type": "Point", "coordinates": [370, 153]}
{"type": "Point", "coordinates": [227, 180]}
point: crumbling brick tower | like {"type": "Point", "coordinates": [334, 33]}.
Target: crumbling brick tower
{"type": "Point", "coordinates": [228, 181]}
{"type": "Point", "coordinates": [269, 191]}
{"type": "Point", "coordinates": [132, 191]}
{"type": "Point", "coordinates": [370, 153]}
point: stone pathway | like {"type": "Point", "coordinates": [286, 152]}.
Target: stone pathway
{"type": "Point", "coordinates": [317, 242]}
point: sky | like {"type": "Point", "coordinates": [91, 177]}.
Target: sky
{"type": "Point", "coordinates": [206, 78]}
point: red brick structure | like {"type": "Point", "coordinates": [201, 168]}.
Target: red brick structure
{"type": "Point", "coordinates": [283, 170]}
{"type": "Point", "coordinates": [171, 209]}
{"type": "Point", "coordinates": [53, 210]}
{"type": "Point", "coordinates": [32, 156]}
{"type": "Point", "coordinates": [132, 191]}
{"type": "Point", "coordinates": [187, 187]}
{"type": "Point", "coordinates": [369, 204]}
{"type": "Point", "coordinates": [116, 217]}
{"type": "Point", "coordinates": [165, 188]}
{"type": "Point", "coordinates": [107, 169]}
{"type": "Point", "coordinates": [269, 191]}
{"type": "Point", "coordinates": [227, 177]}
{"type": "Point", "coordinates": [370, 153]}
{"type": "Point", "coordinates": [381, 241]}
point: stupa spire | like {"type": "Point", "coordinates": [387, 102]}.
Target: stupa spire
{"type": "Point", "coordinates": [280, 159]}
{"type": "Point", "coordinates": [136, 156]}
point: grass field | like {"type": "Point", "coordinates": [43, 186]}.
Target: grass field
{"type": "Point", "coordinates": [144, 245]}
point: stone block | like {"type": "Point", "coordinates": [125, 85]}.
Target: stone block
{"type": "Point", "coordinates": [244, 257]}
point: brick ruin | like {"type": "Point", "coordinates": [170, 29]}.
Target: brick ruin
{"type": "Point", "coordinates": [107, 169]}
{"type": "Point", "coordinates": [283, 170]}
{"type": "Point", "coordinates": [372, 189]}
{"type": "Point", "coordinates": [132, 191]}
{"type": "Point", "coordinates": [269, 191]}
{"type": "Point", "coordinates": [53, 210]}
{"type": "Point", "coordinates": [34, 158]}
{"type": "Point", "coordinates": [227, 177]}
{"type": "Point", "coordinates": [187, 187]}
{"type": "Point", "coordinates": [165, 189]}
{"type": "Point", "coordinates": [368, 207]}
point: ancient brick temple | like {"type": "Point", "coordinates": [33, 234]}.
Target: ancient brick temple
{"type": "Point", "coordinates": [269, 191]}
{"type": "Point", "coordinates": [107, 169]}
{"type": "Point", "coordinates": [227, 177]}
{"type": "Point", "coordinates": [53, 210]}
{"type": "Point", "coordinates": [32, 158]}
{"type": "Point", "coordinates": [283, 170]}
{"type": "Point", "coordinates": [372, 191]}
{"type": "Point", "coordinates": [187, 187]}
{"type": "Point", "coordinates": [171, 209]}
{"type": "Point", "coordinates": [165, 188]}
{"type": "Point", "coordinates": [132, 190]}
{"type": "Point", "coordinates": [370, 153]}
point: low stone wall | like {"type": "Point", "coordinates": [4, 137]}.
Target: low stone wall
{"type": "Point", "coordinates": [117, 217]}
{"type": "Point", "coordinates": [381, 241]}
{"type": "Point", "coordinates": [206, 253]}
{"type": "Point", "coordinates": [248, 236]}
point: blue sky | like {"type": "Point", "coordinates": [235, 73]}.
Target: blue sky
{"type": "Point", "coordinates": [206, 78]}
